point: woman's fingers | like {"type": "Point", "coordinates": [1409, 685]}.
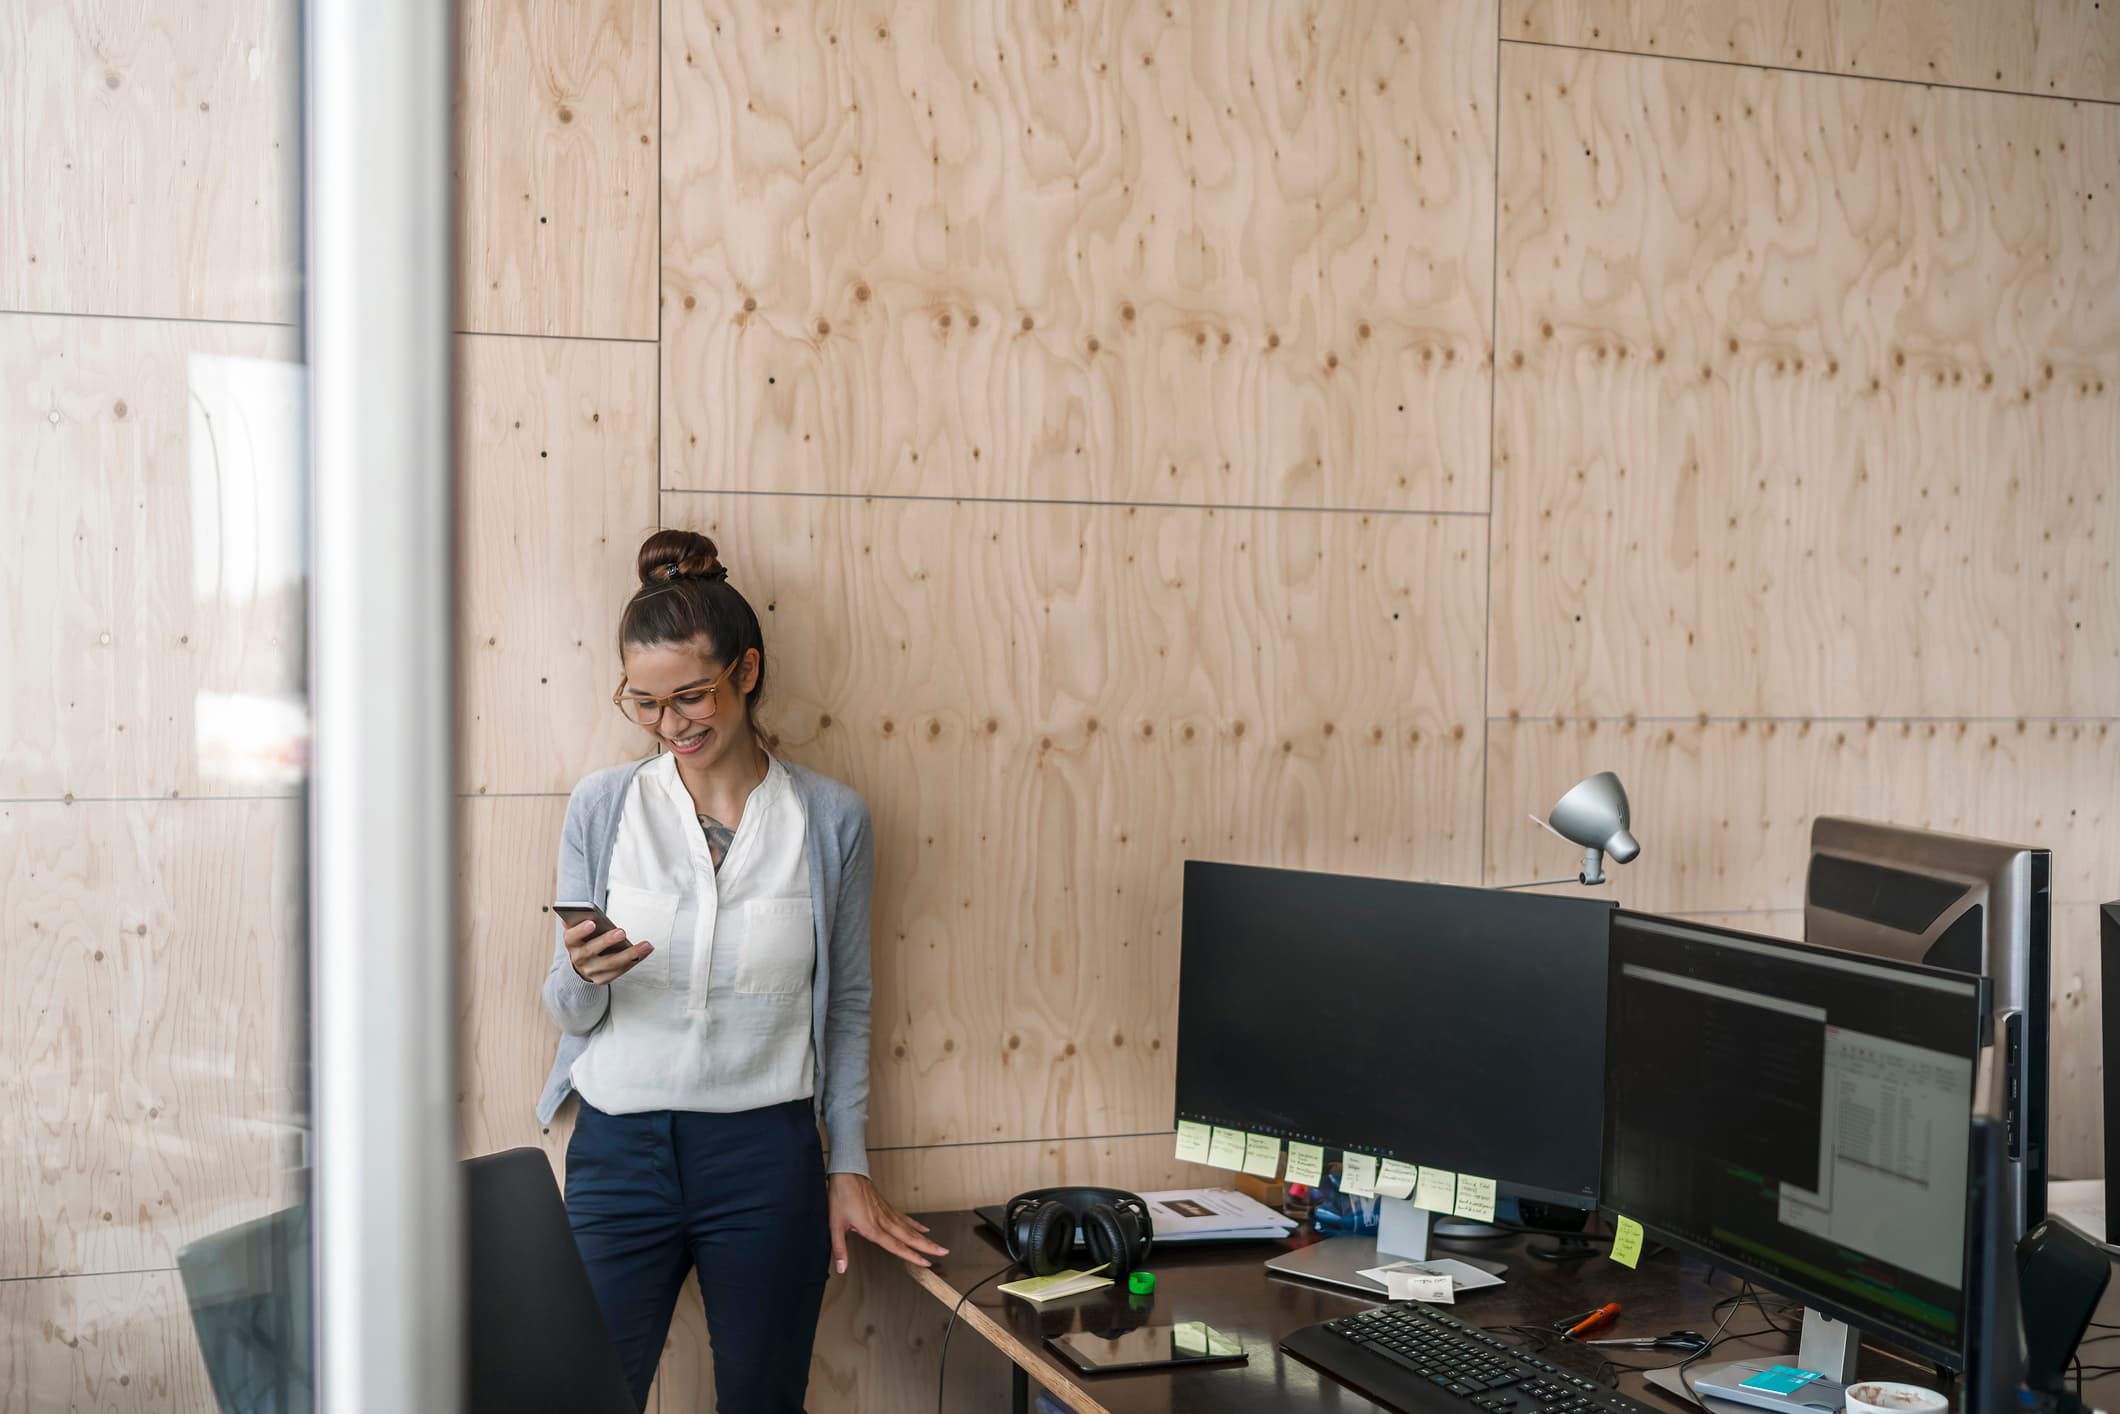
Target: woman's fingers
{"type": "Point", "coordinates": [912, 1235]}
{"type": "Point", "coordinates": [609, 969]}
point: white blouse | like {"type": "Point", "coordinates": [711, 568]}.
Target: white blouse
{"type": "Point", "coordinates": [717, 1018]}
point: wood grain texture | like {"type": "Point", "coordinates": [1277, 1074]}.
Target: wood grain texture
{"type": "Point", "coordinates": [2056, 48]}
{"type": "Point", "coordinates": [150, 1020]}
{"type": "Point", "coordinates": [879, 1337]}
{"type": "Point", "coordinates": [112, 1344]}
{"type": "Point", "coordinates": [1049, 708]}
{"type": "Point", "coordinates": [155, 641]}
{"type": "Point", "coordinates": [150, 161]}
{"type": "Point", "coordinates": [556, 167]}
{"type": "Point", "coordinates": [556, 461]}
{"type": "Point", "coordinates": [1809, 396]}
{"type": "Point", "coordinates": [1228, 255]}
{"type": "Point", "coordinates": [1724, 809]}
{"type": "Point", "coordinates": [2077, 1084]}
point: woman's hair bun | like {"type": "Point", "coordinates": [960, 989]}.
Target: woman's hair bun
{"type": "Point", "coordinates": [668, 556]}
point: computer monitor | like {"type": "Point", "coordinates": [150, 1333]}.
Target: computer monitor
{"type": "Point", "coordinates": [1971, 905]}
{"type": "Point", "coordinates": [1456, 1027]}
{"type": "Point", "coordinates": [1801, 1117]}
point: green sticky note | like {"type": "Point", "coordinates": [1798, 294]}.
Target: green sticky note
{"type": "Point", "coordinates": [1189, 1338]}
{"type": "Point", "coordinates": [1626, 1241]}
{"type": "Point", "coordinates": [1262, 1155]}
{"type": "Point", "coordinates": [1475, 1198]}
{"type": "Point", "coordinates": [1395, 1179]}
{"type": "Point", "coordinates": [1226, 1149]}
{"type": "Point", "coordinates": [1438, 1190]}
{"type": "Point", "coordinates": [1358, 1175]}
{"type": "Point", "coordinates": [1193, 1141]}
{"type": "Point", "coordinates": [1306, 1164]}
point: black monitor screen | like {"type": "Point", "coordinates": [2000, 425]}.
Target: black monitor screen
{"type": "Point", "coordinates": [1458, 1027]}
{"type": "Point", "coordinates": [1798, 1114]}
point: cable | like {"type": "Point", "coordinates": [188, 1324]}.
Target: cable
{"type": "Point", "coordinates": [942, 1367]}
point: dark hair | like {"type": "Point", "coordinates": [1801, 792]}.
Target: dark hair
{"type": "Point", "coordinates": [684, 597]}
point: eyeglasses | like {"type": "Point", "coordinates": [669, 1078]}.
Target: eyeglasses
{"type": "Point", "coordinates": [695, 703]}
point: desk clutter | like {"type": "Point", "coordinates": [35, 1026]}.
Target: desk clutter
{"type": "Point", "coordinates": [1854, 1123]}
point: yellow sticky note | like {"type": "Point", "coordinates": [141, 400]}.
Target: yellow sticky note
{"type": "Point", "coordinates": [1396, 1179]}
{"type": "Point", "coordinates": [1358, 1175]}
{"type": "Point", "coordinates": [1438, 1190]}
{"type": "Point", "coordinates": [1475, 1198]}
{"type": "Point", "coordinates": [1306, 1164]}
{"type": "Point", "coordinates": [1226, 1149]}
{"type": "Point", "coordinates": [1262, 1155]}
{"type": "Point", "coordinates": [1626, 1241]}
{"type": "Point", "coordinates": [1194, 1139]}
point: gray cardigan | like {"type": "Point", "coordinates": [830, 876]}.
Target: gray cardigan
{"type": "Point", "coordinates": [842, 856]}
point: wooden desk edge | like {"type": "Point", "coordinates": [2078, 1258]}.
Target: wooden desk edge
{"type": "Point", "coordinates": [1047, 1372]}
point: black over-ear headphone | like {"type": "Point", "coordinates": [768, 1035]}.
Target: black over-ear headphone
{"type": "Point", "coordinates": [1115, 1226]}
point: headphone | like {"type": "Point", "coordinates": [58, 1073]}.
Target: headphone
{"type": "Point", "coordinates": [1040, 1227]}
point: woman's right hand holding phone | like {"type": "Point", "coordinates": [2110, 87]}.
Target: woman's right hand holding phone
{"type": "Point", "coordinates": [602, 958]}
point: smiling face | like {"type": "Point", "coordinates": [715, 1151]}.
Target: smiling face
{"type": "Point", "coordinates": [706, 717]}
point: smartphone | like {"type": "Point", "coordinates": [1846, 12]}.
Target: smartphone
{"type": "Point", "coordinates": [572, 914]}
{"type": "Point", "coordinates": [1148, 1348]}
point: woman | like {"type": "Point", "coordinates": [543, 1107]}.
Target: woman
{"type": "Point", "coordinates": [724, 1014]}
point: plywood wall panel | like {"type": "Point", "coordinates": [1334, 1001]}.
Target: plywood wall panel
{"type": "Point", "coordinates": [1809, 398]}
{"type": "Point", "coordinates": [1080, 254]}
{"type": "Point", "coordinates": [113, 1344]}
{"type": "Point", "coordinates": [1049, 708]}
{"type": "Point", "coordinates": [151, 161]}
{"type": "Point", "coordinates": [557, 467]}
{"type": "Point", "coordinates": [2076, 1147]}
{"type": "Point", "coordinates": [1724, 809]}
{"type": "Point", "coordinates": [557, 167]}
{"type": "Point", "coordinates": [2056, 48]}
{"type": "Point", "coordinates": [150, 1018]}
{"type": "Point", "coordinates": [153, 495]}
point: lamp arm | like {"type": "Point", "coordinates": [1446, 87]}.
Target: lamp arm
{"type": "Point", "coordinates": [1533, 884]}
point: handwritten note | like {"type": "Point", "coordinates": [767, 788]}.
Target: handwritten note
{"type": "Point", "coordinates": [1475, 1198]}
{"type": "Point", "coordinates": [1626, 1241]}
{"type": "Point", "coordinates": [1194, 1140]}
{"type": "Point", "coordinates": [1396, 1179]}
{"type": "Point", "coordinates": [1306, 1164]}
{"type": "Point", "coordinates": [1226, 1149]}
{"type": "Point", "coordinates": [1358, 1175]}
{"type": "Point", "coordinates": [1438, 1190]}
{"type": "Point", "coordinates": [1262, 1155]}
{"type": "Point", "coordinates": [1420, 1286]}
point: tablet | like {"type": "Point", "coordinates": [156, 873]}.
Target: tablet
{"type": "Point", "coordinates": [1148, 1348]}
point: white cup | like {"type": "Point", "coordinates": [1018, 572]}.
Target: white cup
{"type": "Point", "coordinates": [1887, 1397]}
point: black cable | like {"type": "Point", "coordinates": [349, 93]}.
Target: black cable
{"type": "Point", "coordinates": [1687, 1384]}
{"type": "Point", "coordinates": [942, 1366]}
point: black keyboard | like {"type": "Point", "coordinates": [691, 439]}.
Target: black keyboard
{"type": "Point", "coordinates": [1416, 1359]}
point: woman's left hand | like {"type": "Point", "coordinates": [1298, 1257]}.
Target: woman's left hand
{"type": "Point", "coordinates": [858, 1207]}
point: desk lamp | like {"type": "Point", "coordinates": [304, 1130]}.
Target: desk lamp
{"type": "Point", "coordinates": [1592, 815]}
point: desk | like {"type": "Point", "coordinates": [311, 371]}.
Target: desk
{"type": "Point", "coordinates": [1229, 1288]}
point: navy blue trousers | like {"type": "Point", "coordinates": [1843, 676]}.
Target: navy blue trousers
{"type": "Point", "coordinates": [738, 1198]}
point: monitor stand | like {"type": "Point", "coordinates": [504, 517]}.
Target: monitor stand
{"type": "Point", "coordinates": [1402, 1236]}
{"type": "Point", "coordinates": [1827, 1347]}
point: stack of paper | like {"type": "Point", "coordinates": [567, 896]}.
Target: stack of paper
{"type": "Point", "coordinates": [1440, 1280]}
{"type": "Point", "coordinates": [1214, 1215]}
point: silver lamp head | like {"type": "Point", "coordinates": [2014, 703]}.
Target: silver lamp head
{"type": "Point", "coordinates": [1594, 815]}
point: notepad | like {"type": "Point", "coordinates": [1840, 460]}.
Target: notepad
{"type": "Point", "coordinates": [1626, 1241]}
{"type": "Point", "coordinates": [1358, 1175]}
{"type": "Point", "coordinates": [1395, 1179]}
{"type": "Point", "coordinates": [1475, 1198]}
{"type": "Point", "coordinates": [1194, 1140]}
{"type": "Point", "coordinates": [1306, 1164]}
{"type": "Point", "coordinates": [1262, 1155]}
{"type": "Point", "coordinates": [1419, 1286]}
{"type": "Point", "coordinates": [1226, 1149]}
{"type": "Point", "coordinates": [1059, 1284]}
{"type": "Point", "coordinates": [1438, 1190]}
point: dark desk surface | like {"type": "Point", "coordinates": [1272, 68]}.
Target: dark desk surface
{"type": "Point", "coordinates": [1230, 1289]}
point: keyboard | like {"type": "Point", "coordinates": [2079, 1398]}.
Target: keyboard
{"type": "Point", "coordinates": [1417, 1359]}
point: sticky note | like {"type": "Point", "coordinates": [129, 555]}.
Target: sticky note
{"type": "Point", "coordinates": [1262, 1155]}
{"type": "Point", "coordinates": [1189, 1338]}
{"type": "Point", "coordinates": [1475, 1198]}
{"type": "Point", "coordinates": [1626, 1241]}
{"type": "Point", "coordinates": [1396, 1179]}
{"type": "Point", "coordinates": [1306, 1164]}
{"type": "Point", "coordinates": [1358, 1175]}
{"type": "Point", "coordinates": [1193, 1141]}
{"type": "Point", "coordinates": [1226, 1149]}
{"type": "Point", "coordinates": [1420, 1286]}
{"type": "Point", "coordinates": [1438, 1190]}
